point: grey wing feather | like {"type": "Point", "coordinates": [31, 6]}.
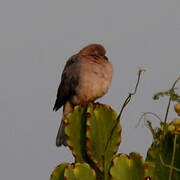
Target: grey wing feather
{"type": "Point", "coordinates": [69, 81]}
{"type": "Point", "coordinates": [62, 94]}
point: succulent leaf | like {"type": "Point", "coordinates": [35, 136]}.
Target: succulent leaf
{"type": "Point", "coordinates": [100, 121]}
{"type": "Point", "coordinates": [79, 171]}
{"type": "Point", "coordinates": [75, 132]}
{"type": "Point", "coordinates": [128, 167]}
{"type": "Point", "coordinates": [68, 173]}
{"type": "Point", "coordinates": [58, 173]}
{"type": "Point", "coordinates": [160, 153]}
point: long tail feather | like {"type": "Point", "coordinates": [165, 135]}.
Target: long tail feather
{"type": "Point", "coordinates": [61, 137]}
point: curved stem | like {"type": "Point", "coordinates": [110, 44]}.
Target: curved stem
{"type": "Point", "coordinates": [168, 166]}
{"type": "Point", "coordinates": [167, 111]}
{"type": "Point", "coordinates": [173, 157]}
{"type": "Point", "coordinates": [124, 105]}
{"type": "Point", "coordinates": [176, 82]}
{"type": "Point", "coordinates": [143, 116]}
{"type": "Point", "coordinates": [169, 103]}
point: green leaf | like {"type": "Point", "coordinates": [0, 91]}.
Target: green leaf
{"type": "Point", "coordinates": [128, 167]}
{"type": "Point", "coordinates": [160, 154]}
{"type": "Point", "coordinates": [75, 132]}
{"type": "Point", "coordinates": [69, 173]}
{"type": "Point", "coordinates": [79, 171]}
{"type": "Point", "coordinates": [58, 173]}
{"type": "Point", "coordinates": [100, 122]}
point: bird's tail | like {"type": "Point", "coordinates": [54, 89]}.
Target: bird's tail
{"type": "Point", "coordinates": [61, 137]}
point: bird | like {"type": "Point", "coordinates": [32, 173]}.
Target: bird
{"type": "Point", "coordinates": [86, 77]}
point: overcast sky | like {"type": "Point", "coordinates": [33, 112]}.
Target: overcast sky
{"type": "Point", "coordinates": [36, 39]}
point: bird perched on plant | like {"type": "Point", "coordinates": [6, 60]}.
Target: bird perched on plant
{"type": "Point", "coordinates": [86, 77]}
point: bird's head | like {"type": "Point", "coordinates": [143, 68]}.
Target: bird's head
{"type": "Point", "coordinates": [93, 49]}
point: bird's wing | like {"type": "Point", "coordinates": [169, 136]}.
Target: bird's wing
{"type": "Point", "coordinates": [69, 82]}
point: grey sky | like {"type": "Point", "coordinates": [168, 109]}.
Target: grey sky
{"type": "Point", "coordinates": [37, 37]}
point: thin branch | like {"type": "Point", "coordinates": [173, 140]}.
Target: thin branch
{"type": "Point", "coordinates": [143, 116]}
{"type": "Point", "coordinates": [173, 157]}
{"type": "Point", "coordinates": [166, 165]}
{"type": "Point", "coordinates": [124, 105]}
{"type": "Point", "coordinates": [152, 130]}
{"type": "Point", "coordinates": [169, 103]}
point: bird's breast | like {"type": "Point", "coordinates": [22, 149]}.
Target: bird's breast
{"type": "Point", "coordinates": [94, 80]}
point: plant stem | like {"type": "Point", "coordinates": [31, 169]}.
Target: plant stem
{"type": "Point", "coordinates": [166, 165]}
{"type": "Point", "coordinates": [173, 157]}
{"type": "Point", "coordinates": [167, 111]}
{"type": "Point", "coordinates": [176, 82]}
{"type": "Point", "coordinates": [124, 105]}
{"type": "Point", "coordinates": [169, 103]}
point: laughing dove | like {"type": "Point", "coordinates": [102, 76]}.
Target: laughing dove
{"type": "Point", "coordinates": [86, 77]}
